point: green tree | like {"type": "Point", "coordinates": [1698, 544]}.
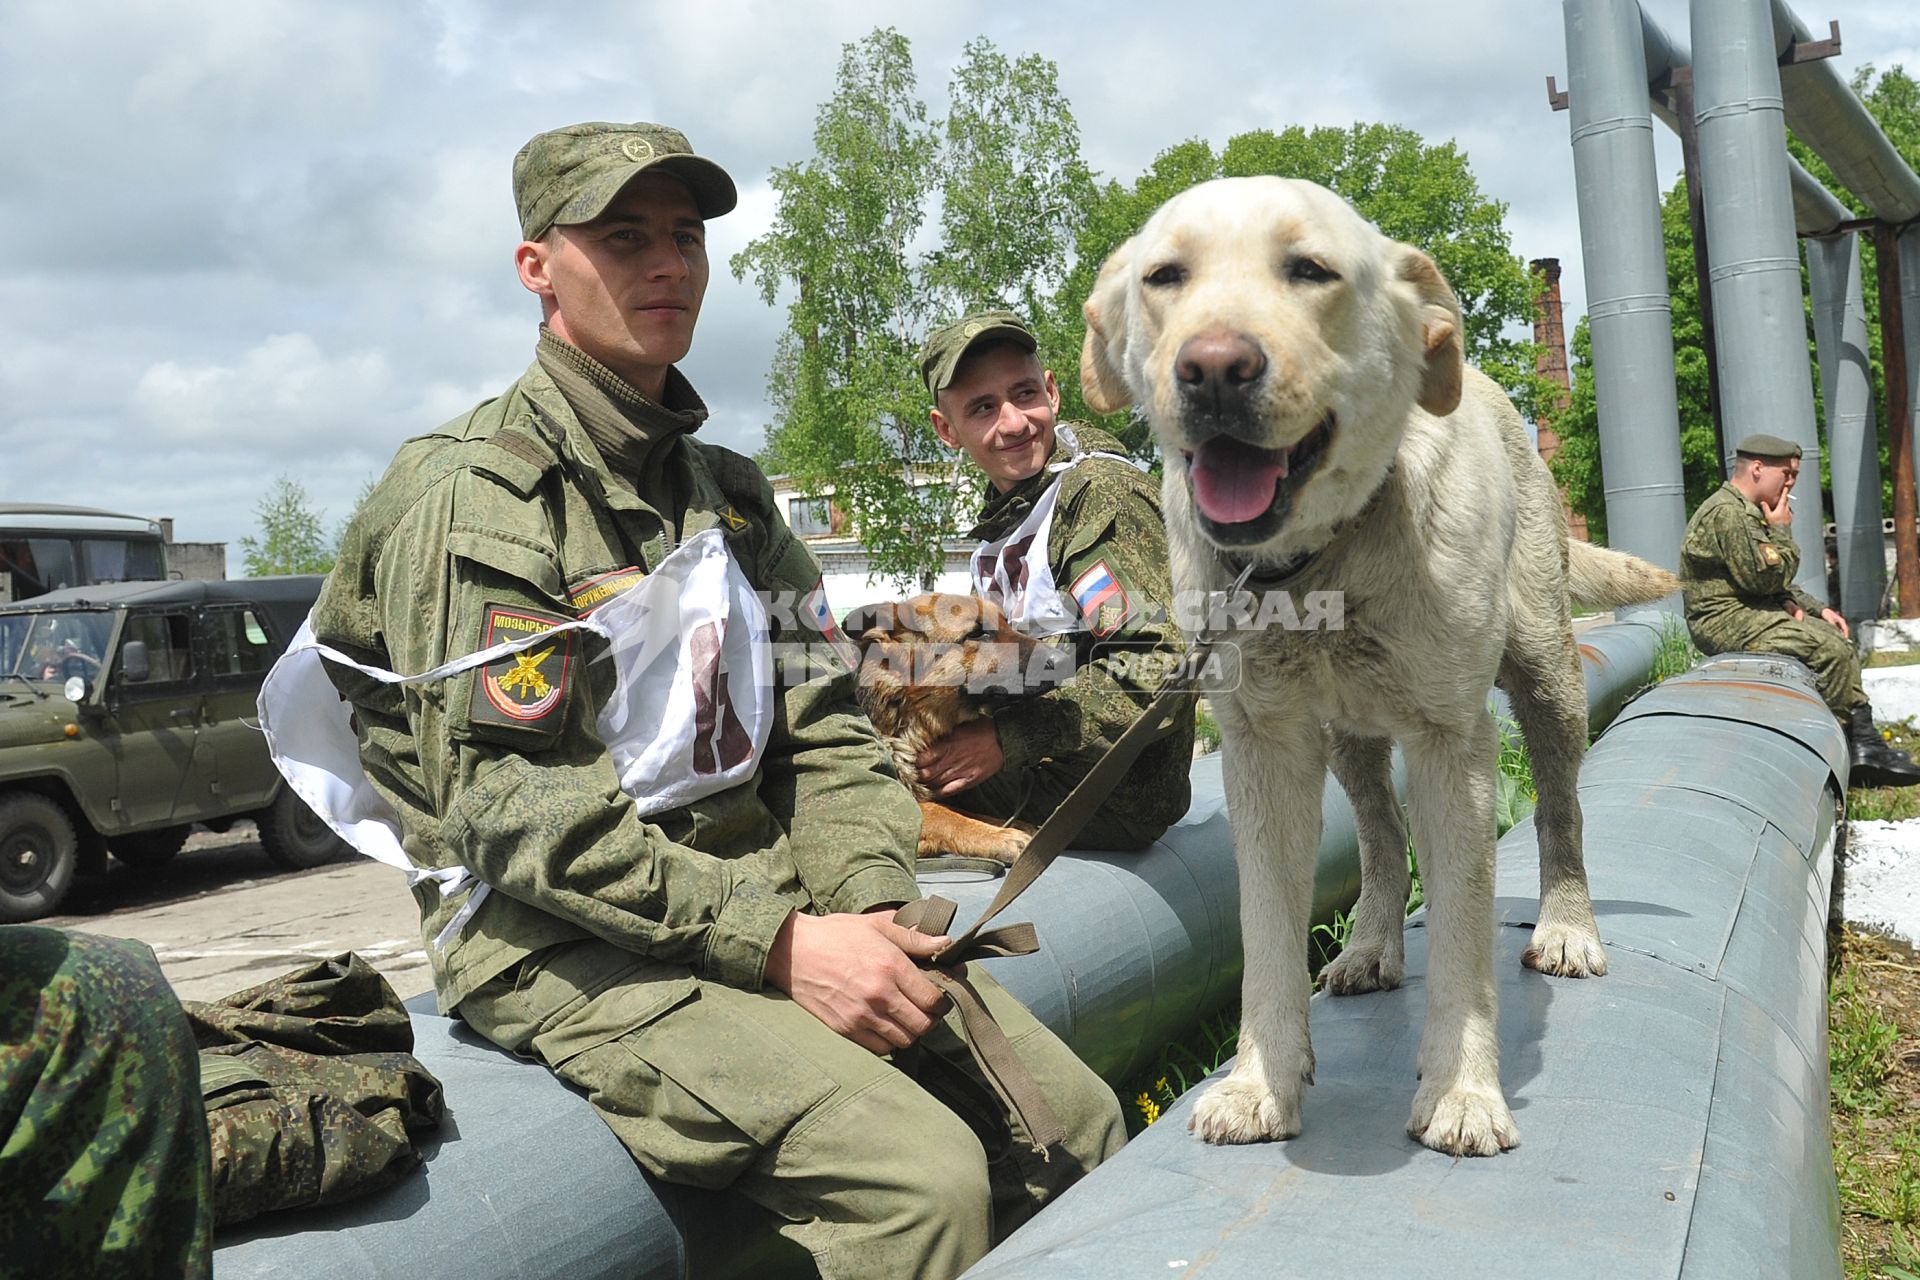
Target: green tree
{"type": "Point", "coordinates": [291, 538]}
{"type": "Point", "coordinates": [846, 248]}
{"type": "Point", "coordinates": [1424, 194]}
{"type": "Point", "coordinates": [1894, 100]}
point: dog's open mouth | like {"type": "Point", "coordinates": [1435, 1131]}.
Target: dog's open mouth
{"type": "Point", "coordinates": [1243, 491]}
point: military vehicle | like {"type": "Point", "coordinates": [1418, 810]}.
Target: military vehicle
{"type": "Point", "coordinates": [127, 714]}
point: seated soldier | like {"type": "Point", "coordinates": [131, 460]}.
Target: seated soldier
{"type": "Point", "coordinates": [1072, 541]}
{"type": "Point", "coordinates": [701, 940]}
{"type": "Point", "coordinates": [1736, 571]}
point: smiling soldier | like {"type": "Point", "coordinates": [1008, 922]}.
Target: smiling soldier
{"type": "Point", "coordinates": [702, 941]}
{"type": "Point", "coordinates": [1073, 544]}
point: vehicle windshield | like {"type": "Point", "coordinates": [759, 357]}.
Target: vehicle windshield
{"type": "Point", "coordinates": [53, 646]}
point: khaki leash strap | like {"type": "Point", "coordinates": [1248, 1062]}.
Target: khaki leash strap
{"type": "Point", "coordinates": [989, 1045]}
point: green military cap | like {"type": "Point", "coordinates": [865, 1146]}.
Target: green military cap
{"type": "Point", "coordinates": [944, 347]}
{"type": "Point", "coordinates": [1765, 446]}
{"type": "Point", "coordinates": [571, 175]}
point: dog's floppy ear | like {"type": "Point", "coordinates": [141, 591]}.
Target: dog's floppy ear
{"type": "Point", "coordinates": [1440, 336]}
{"type": "Point", "coordinates": [866, 624]}
{"type": "Point", "coordinates": [1102, 385]}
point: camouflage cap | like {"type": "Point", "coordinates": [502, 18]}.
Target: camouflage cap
{"type": "Point", "coordinates": [571, 175]}
{"type": "Point", "coordinates": [1765, 446]}
{"type": "Point", "coordinates": [945, 346]}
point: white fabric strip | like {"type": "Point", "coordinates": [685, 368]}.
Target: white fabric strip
{"type": "Point", "coordinates": [690, 713]}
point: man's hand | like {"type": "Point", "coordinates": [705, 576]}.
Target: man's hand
{"type": "Point", "coordinates": [964, 758]}
{"type": "Point", "coordinates": [1781, 512]}
{"type": "Point", "coordinates": [1833, 616]}
{"type": "Point", "coordinates": [856, 974]}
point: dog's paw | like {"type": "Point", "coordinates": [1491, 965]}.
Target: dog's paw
{"type": "Point", "coordinates": [1007, 844]}
{"type": "Point", "coordinates": [1238, 1111]}
{"type": "Point", "coordinates": [1565, 951]}
{"type": "Point", "coordinates": [1358, 970]}
{"type": "Point", "coordinates": [1463, 1121]}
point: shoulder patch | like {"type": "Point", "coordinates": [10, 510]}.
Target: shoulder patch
{"type": "Point", "coordinates": [590, 594]}
{"type": "Point", "coordinates": [1770, 554]}
{"type": "Point", "coordinates": [528, 689]}
{"type": "Point", "coordinates": [1102, 601]}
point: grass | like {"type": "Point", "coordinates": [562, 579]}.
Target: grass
{"type": "Point", "coordinates": [1892, 658]}
{"type": "Point", "coordinates": [1873, 1053]}
{"type": "Point", "coordinates": [1675, 654]}
{"type": "Point", "coordinates": [1206, 730]}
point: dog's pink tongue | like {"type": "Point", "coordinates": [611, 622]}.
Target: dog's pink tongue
{"type": "Point", "coordinates": [1234, 482]}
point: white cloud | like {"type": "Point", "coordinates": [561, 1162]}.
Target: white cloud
{"type": "Point", "coordinates": [276, 235]}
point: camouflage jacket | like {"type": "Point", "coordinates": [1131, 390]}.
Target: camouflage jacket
{"type": "Point", "coordinates": [1107, 518]}
{"type": "Point", "coordinates": [511, 509]}
{"type": "Point", "coordinates": [1732, 562]}
{"type": "Point", "coordinates": [312, 1092]}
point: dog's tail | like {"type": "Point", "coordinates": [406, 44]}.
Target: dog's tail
{"type": "Point", "coordinates": [1607, 579]}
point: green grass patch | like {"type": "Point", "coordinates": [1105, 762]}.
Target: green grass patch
{"type": "Point", "coordinates": [1675, 654]}
{"type": "Point", "coordinates": [1206, 730]}
{"type": "Point", "coordinates": [1876, 1123]}
{"type": "Point", "coordinates": [1180, 1066]}
{"type": "Point", "coordinates": [1892, 658]}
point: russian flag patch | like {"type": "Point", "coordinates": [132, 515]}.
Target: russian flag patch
{"type": "Point", "coordinates": [1103, 604]}
{"type": "Point", "coordinates": [819, 615]}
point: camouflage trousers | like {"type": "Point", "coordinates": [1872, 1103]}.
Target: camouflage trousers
{"type": "Point", "coordinates": [1828, 654]}
{"type": "Point", "coordinates": [876, 1167]}
{"type": "Point", "coordinates": [103, 1145]}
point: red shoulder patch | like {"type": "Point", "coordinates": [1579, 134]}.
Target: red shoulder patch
{"type": "Point", "coordinates": [528, 689]}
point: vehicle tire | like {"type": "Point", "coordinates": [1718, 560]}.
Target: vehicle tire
{"type": "Point", "coordinates": [149, 849]}
{"type": "Point", "coordinates": [294, 836]}
{"type": "Point", "coordinates": [39, 853]}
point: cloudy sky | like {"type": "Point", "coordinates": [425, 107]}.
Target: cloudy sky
{"type": "Point", "coordinates": [253, 237]}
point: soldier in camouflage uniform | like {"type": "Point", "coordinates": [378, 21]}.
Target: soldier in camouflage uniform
{"type": "Point", "coordinates": [1107, 552]}
{"type": "Point", "coordinates": [1736, 572]}
{"type": "Point", "coordinates": [104, 1168]}
{"type": "Point", "coordinates": [723, 979]}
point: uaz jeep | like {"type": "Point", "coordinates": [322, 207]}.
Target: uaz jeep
{"type": "Point", "coordinates": [126, 715]}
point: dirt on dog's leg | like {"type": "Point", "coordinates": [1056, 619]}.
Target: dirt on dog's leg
{"type": "Point", "coordinates": [1375, 957]}
{"type": "Point", "coordinates": [943, 830]}
{"type": "Point", "coordinates": [1273, 782]}
{"type": "Point", "coordinates": [1458, 1107]}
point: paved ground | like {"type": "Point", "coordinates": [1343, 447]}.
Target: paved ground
{"type": "Point", "coordinates": [222, 916]}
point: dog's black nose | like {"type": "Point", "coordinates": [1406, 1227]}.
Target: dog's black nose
{"type": "Point", "coordinates": [1219, 366]}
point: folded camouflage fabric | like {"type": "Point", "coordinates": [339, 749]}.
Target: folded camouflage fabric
{"type": "Point", "coordinates": [311, 1094]}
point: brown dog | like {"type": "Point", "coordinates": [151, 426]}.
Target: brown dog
{"type": "Point", "coordinates": [927, 666]}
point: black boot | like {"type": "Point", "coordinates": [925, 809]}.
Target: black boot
{"type": "Point", "coordinates": [1875, 764]}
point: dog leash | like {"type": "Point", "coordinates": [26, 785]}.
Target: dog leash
{"type": "Point", "coordinates": [934, 915]}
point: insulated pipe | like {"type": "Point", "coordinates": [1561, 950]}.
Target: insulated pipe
{"type": "Point", "coordinates": [1816, 210]}
{"type": "Point", "coordinates": [1672, 1114]}
{"type": "Point", "coordinates": [1759, 326]}
{"type": "Point", "coordinates": [524, 1180]}
{"type": "Point", "coordinates": [1824, 112]}
{"type": "Point", "coordinates": [1628, 312]}
{"type": "Point", "coordinates": [1853, 450]}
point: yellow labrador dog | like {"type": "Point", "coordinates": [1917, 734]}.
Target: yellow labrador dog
{"type": "Point", "coordinates": [1304, 376]}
